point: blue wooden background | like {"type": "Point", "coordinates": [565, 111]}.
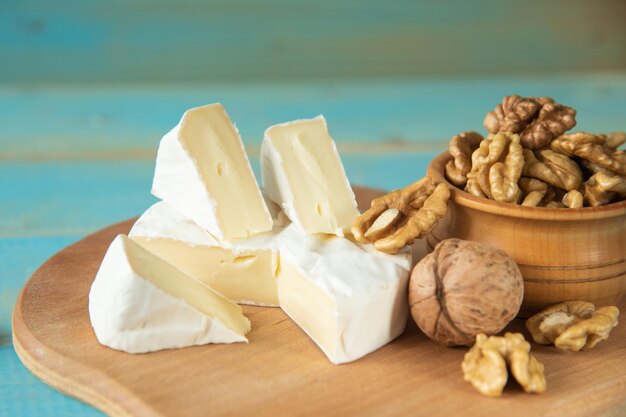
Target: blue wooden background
{"type": "Point", "coordinates": [142, 41]}
{"type": "Point", "coordinates": [88, 88]}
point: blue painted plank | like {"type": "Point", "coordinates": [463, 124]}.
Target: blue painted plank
{"type": "Point", "coordinates": [128, 122]}
{"type": "Point", "coordinates": [388, 171]}
{"type": "Point", "coordinates": [52, 199]}
{"type": "Point", "coordinates": [19, 258]}
{"type": "Point", "coordinates": [76, 198]}
{"type": "Point", "coordinates": [22, 394]}
{"type": "Point", "coordinates": [192, 40]}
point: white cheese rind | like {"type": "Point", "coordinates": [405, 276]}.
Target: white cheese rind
{"type": "Point", "coordinates": [162, 220]}
{"type": "Point", "coordinates": [181, 180]}
{"type": "Point", "coordinates": [302, 172]}
{"type": "Point", "coordinates": [362, 292]}
{"type": "Point", "coordinates": [275, 181]}
{"type": "Point", "coordinates": [131, 314]}
{"type": "Point", "coordinates": [242, 270]}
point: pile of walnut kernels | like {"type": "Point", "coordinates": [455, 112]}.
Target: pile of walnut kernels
{"type": "Point", "coordinates": [528, 159]}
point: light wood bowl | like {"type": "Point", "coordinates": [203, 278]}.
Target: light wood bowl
{"type": "Point", "coordinates": [563, 254]}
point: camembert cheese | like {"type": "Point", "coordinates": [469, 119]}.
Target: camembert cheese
{"type": "Point", "coordinates": [303, 174]}
{"type": "Point", "coordinates": [202, 170]}
{"type": "Point", "coordinates": [244, 271]}
{"type": "Point", "coordinates": [349, 298]}
{"type": "Point", "coordinates": [214, 240]}
{"type": "Point", "coordinates": [140, 303]}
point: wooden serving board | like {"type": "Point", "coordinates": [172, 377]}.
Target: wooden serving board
{"type": "Point", "coordinates": [281, 371]}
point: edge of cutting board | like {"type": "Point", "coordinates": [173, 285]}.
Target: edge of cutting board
{"type": "Point", "coordinates": [64, 373]}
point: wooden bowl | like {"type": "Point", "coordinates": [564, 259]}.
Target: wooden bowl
{"type": "Point", "coordinates": [563, 254]}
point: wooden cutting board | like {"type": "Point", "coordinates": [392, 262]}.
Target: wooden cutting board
{"type": "Point", "coordinates": [281, 371]}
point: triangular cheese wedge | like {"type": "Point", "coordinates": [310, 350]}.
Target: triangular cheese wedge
{"type": "Point", "coordinates": [202, 170]}
{"type": "Point", "coordinates": [245, 271]}
{"type": "Point", "coordinates": [140, 303]}
{"type": "Point", "coordinates": [302, 173]}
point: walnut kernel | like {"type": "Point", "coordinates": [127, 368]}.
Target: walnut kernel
{"type": "Point", "coordinates": [496, 168]}
{"type": "Point", "coordinates": [461, 148]}
{"type": "Point", "coordinates": [419, 207]}
{"type": "Point", "coordinates": [591, 148]}
{"type": "Point", "coordinates": [553, 168]}
{"type": "Point", "coordinates": [484, 365]}
{"type": "Point", "coordinates": [537, 120]}
{"type": "Point", "coordinates": [572, 325]}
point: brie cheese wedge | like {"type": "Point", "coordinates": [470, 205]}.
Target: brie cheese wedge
{"type": "Point", "coordinates": [245, 271]}
{"type": "Point", "coordinates": [349, 298]}
{"type": "Point", "coordinates": [202, 170]}
{"type": "Point", "coordinates": [303, 174]}
{"type": "Point", "coordinates": [140, 303]}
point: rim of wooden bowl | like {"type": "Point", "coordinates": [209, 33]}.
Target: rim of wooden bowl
{"type": "Point", "coordinates": [465, 199]}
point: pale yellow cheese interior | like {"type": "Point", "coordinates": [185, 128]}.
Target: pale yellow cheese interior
{"type": "Point", "coordinates": [246, 277]}
{"type": "Point", "coordinates": [173, 281]}
{"type": "Point", "coordinates": [323, 201]}
{"type": "Point", "coordinates": [311, 308]}
{"type": "Point", "coordinates": [210, 138]}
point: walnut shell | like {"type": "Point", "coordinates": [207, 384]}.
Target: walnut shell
{"type": "Point", "coordinates": [462, 289]}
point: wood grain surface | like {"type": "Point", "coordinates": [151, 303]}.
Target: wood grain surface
{"type": "Point", "coordinates": [125, 123]}
{"type": "Point", "coordinates": [281, 371]}
{"type": "Point", "coordinates": [132, 41]}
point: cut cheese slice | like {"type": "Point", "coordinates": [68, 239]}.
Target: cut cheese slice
{"type": "Point", "coordinates": [349, 298]}
{"type": "Point", "coordinates": [303, 174]}
{"type": "Point", "coordinates": [245, 271]}
{"type": "Point", "coordinates": [202, 170]}
{"type": "Point", "coordinates": [140, 303]}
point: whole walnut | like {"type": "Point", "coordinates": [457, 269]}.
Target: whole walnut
{"type": "Point", "coordinates": [462, 289]}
